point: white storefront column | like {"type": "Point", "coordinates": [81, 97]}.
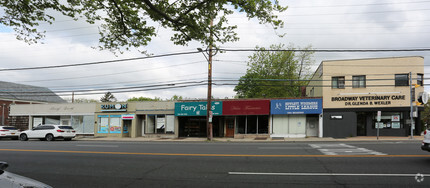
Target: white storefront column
{"type": "Point", "coordinates": [320, 126]}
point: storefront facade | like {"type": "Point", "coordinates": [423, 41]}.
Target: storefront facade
{"type": "Point", "coordinates": [231, 118]}
{"type": "Point", "coordinates": [191, 118]}
{"type": "Point", "coordinates": [155, 119]}
{"type": "Point", "coordinates": [246, 118]}
{"type": "Point", "coordinates": [114, 119]}
{"type": "Point", "coordinates": [353, 91]}
{"type": "Point", "coordinates": [296, 118]}
{"type": "Point", "coordinates": [79, 116]}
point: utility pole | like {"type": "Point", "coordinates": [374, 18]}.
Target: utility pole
{"type": "Point", "coordinates": [209, 99]}
{"type": "Point", "coordinates": [412, 107]}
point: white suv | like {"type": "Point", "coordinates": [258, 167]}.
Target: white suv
{"type": "Point", "coordinates": [426, 142]}
{"type": "Point", "coordinates": [9, 132]}
{"type": "Point", "coordinates": [49, 133]}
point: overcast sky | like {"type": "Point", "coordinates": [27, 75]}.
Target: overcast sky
{"type": "Point", "coordinates": [329, 24]}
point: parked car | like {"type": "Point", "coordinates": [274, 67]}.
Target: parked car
{"type": "Point", "coordinates": [9, 132]}
{"type": "Point", "coordinates": [11, 180]}
{"type": "Point", "coordinates": [49, 133]}
{"type": "Point", "coordinates": [426, 142]}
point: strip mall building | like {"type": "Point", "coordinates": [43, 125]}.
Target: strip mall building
{"type": "Point", "coordinates": [232, 118]}
{"type": "Point", "coordinates": [342, 100]}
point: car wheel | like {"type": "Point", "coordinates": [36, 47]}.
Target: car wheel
{"type": "Point", "coordinates": [49, 137]}
{"type": "Point", "coordinates": [67, 139]}
{"type": "Point", "coordinates": [23, 137]}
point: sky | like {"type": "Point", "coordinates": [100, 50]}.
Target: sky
{"type": "Point", "coordinates": [330, 24]}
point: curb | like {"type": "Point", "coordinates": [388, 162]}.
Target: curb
{"type": "Point", "coordinates": [293, 140]}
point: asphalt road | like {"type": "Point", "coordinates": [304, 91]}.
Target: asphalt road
{"type": "Point", "coordinates": [209, 164]}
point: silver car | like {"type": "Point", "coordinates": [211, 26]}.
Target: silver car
{"type": "Point", "coordinates": [11, 180]}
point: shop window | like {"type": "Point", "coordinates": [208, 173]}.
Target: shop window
{"type": "Point", "coordinates": [241, 124]}
{"type": "Point", "coordinates": [103, 124]}
{"type": "Point", "coordinates": [170, 124]}
{"type": "Point", "coordinates": [78, 124]}
{"type": "Point", "coordinates": [115, 124]}
{"type": "Point", "coordinates": [252, 125]}
{"type": "Point", "coordinates": [338, 82]}
{"type": "Point", "coordinates": [402, 79]}
{"type": "Point", "coordinates": [88, 125]}
{"type": "Point", "coordinates": [150, 125]}
{"type": "Point", "coordinates": [389, 120]}
{"type": "Point", "coordinates": [263, 124]}
{"type": "Point", "coordinates": [160, 124]}
{"type": "Point", "coordinates": [192, 127]}
{"type": "Point", "coordinates": [53, 120]}
{"type": "Point", "coordinates": [359, 81]}
{"type": "Point", "coordinates": [420, 79]}
{"type": "Point", "coordinates": [83, 124]}
{"type": "Point", "coordinates": [37, 121]}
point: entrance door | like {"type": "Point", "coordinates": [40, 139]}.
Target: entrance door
{"type": "Point", "coordinates": [297, 125]}
{"type": "Point", "coordinates": [229, 124]}
{"type": "Point", "coordinates": [361, 123]}
{"type": "Point", "coordinates": [126, 128]}
{"type": "Point", "coordinates": [312, 126]}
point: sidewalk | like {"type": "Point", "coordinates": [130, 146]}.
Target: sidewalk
{"type": "Point", "coordinates": [192, 139]}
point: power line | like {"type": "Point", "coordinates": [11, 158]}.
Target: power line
{"type": "Point", "coordinates": [112, 83]}
{"type": "Point", "coordinates": [353, 5]}
{"type": "Point", "coordinates": [116, 73]}
{"type": "Point", "coordinates": [99, 62]}
{"type": "Point", "coordinates": [328, 50]}
{"type": "Point", "coordinates": [355, 13]}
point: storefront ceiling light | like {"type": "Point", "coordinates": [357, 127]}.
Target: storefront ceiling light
{"type": "Point", "coordinates": [370, 93]}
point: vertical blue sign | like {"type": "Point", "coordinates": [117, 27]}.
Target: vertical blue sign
{"type": "Point", "coordinates": [296, 106]}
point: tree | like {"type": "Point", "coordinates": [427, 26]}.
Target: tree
{"type": "Point", "coordinates": [176, 98]}
{"type": "Point", "coordinates": [274, 72]}
{"type": "Point", "coordinates": [143, 99]}
{"type": "Point", "coordinates": [126, 24]}
{"type": "Point", "coordinates": [108, 97]}
{"type": "Point", "coordinates": [425, 115]}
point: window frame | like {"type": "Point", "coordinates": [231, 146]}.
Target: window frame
{"type": "Point", "coordinates": [356, 81]}
{"type": "Point", "coordinates": [338, 84]}
{"type": "Point", "coordinates": [420, 79]}
{"type": "Point", "coordinates": [400, 82]}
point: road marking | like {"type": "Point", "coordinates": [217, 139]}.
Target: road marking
{"type": "Point", "coordinates": [281, 148]}
{"type": "Point", "coordinates": [324, 174]}
{"type": "Point", "coordinates": [215, 155]}
{"type": "Point", "coordinates": [103, 146]}
{"type": "Point", "coordinates": [343, 149]}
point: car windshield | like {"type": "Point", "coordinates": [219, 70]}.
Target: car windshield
{"type": "Point", "coordinates": [65, 127]}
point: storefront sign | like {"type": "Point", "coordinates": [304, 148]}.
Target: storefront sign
{"type": "Point", "coordinates": [127, 116]}
{"type": "Point", "coordinates": [246, 107]}
{"type": "Point", "coordinates": [296, 106]}
{"type": "Point", "coordinates": [369, 100]}
{"type": "Point", "coordinates": [113, 107]}
{"type": "Point", "coordinates": [197, 108]}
